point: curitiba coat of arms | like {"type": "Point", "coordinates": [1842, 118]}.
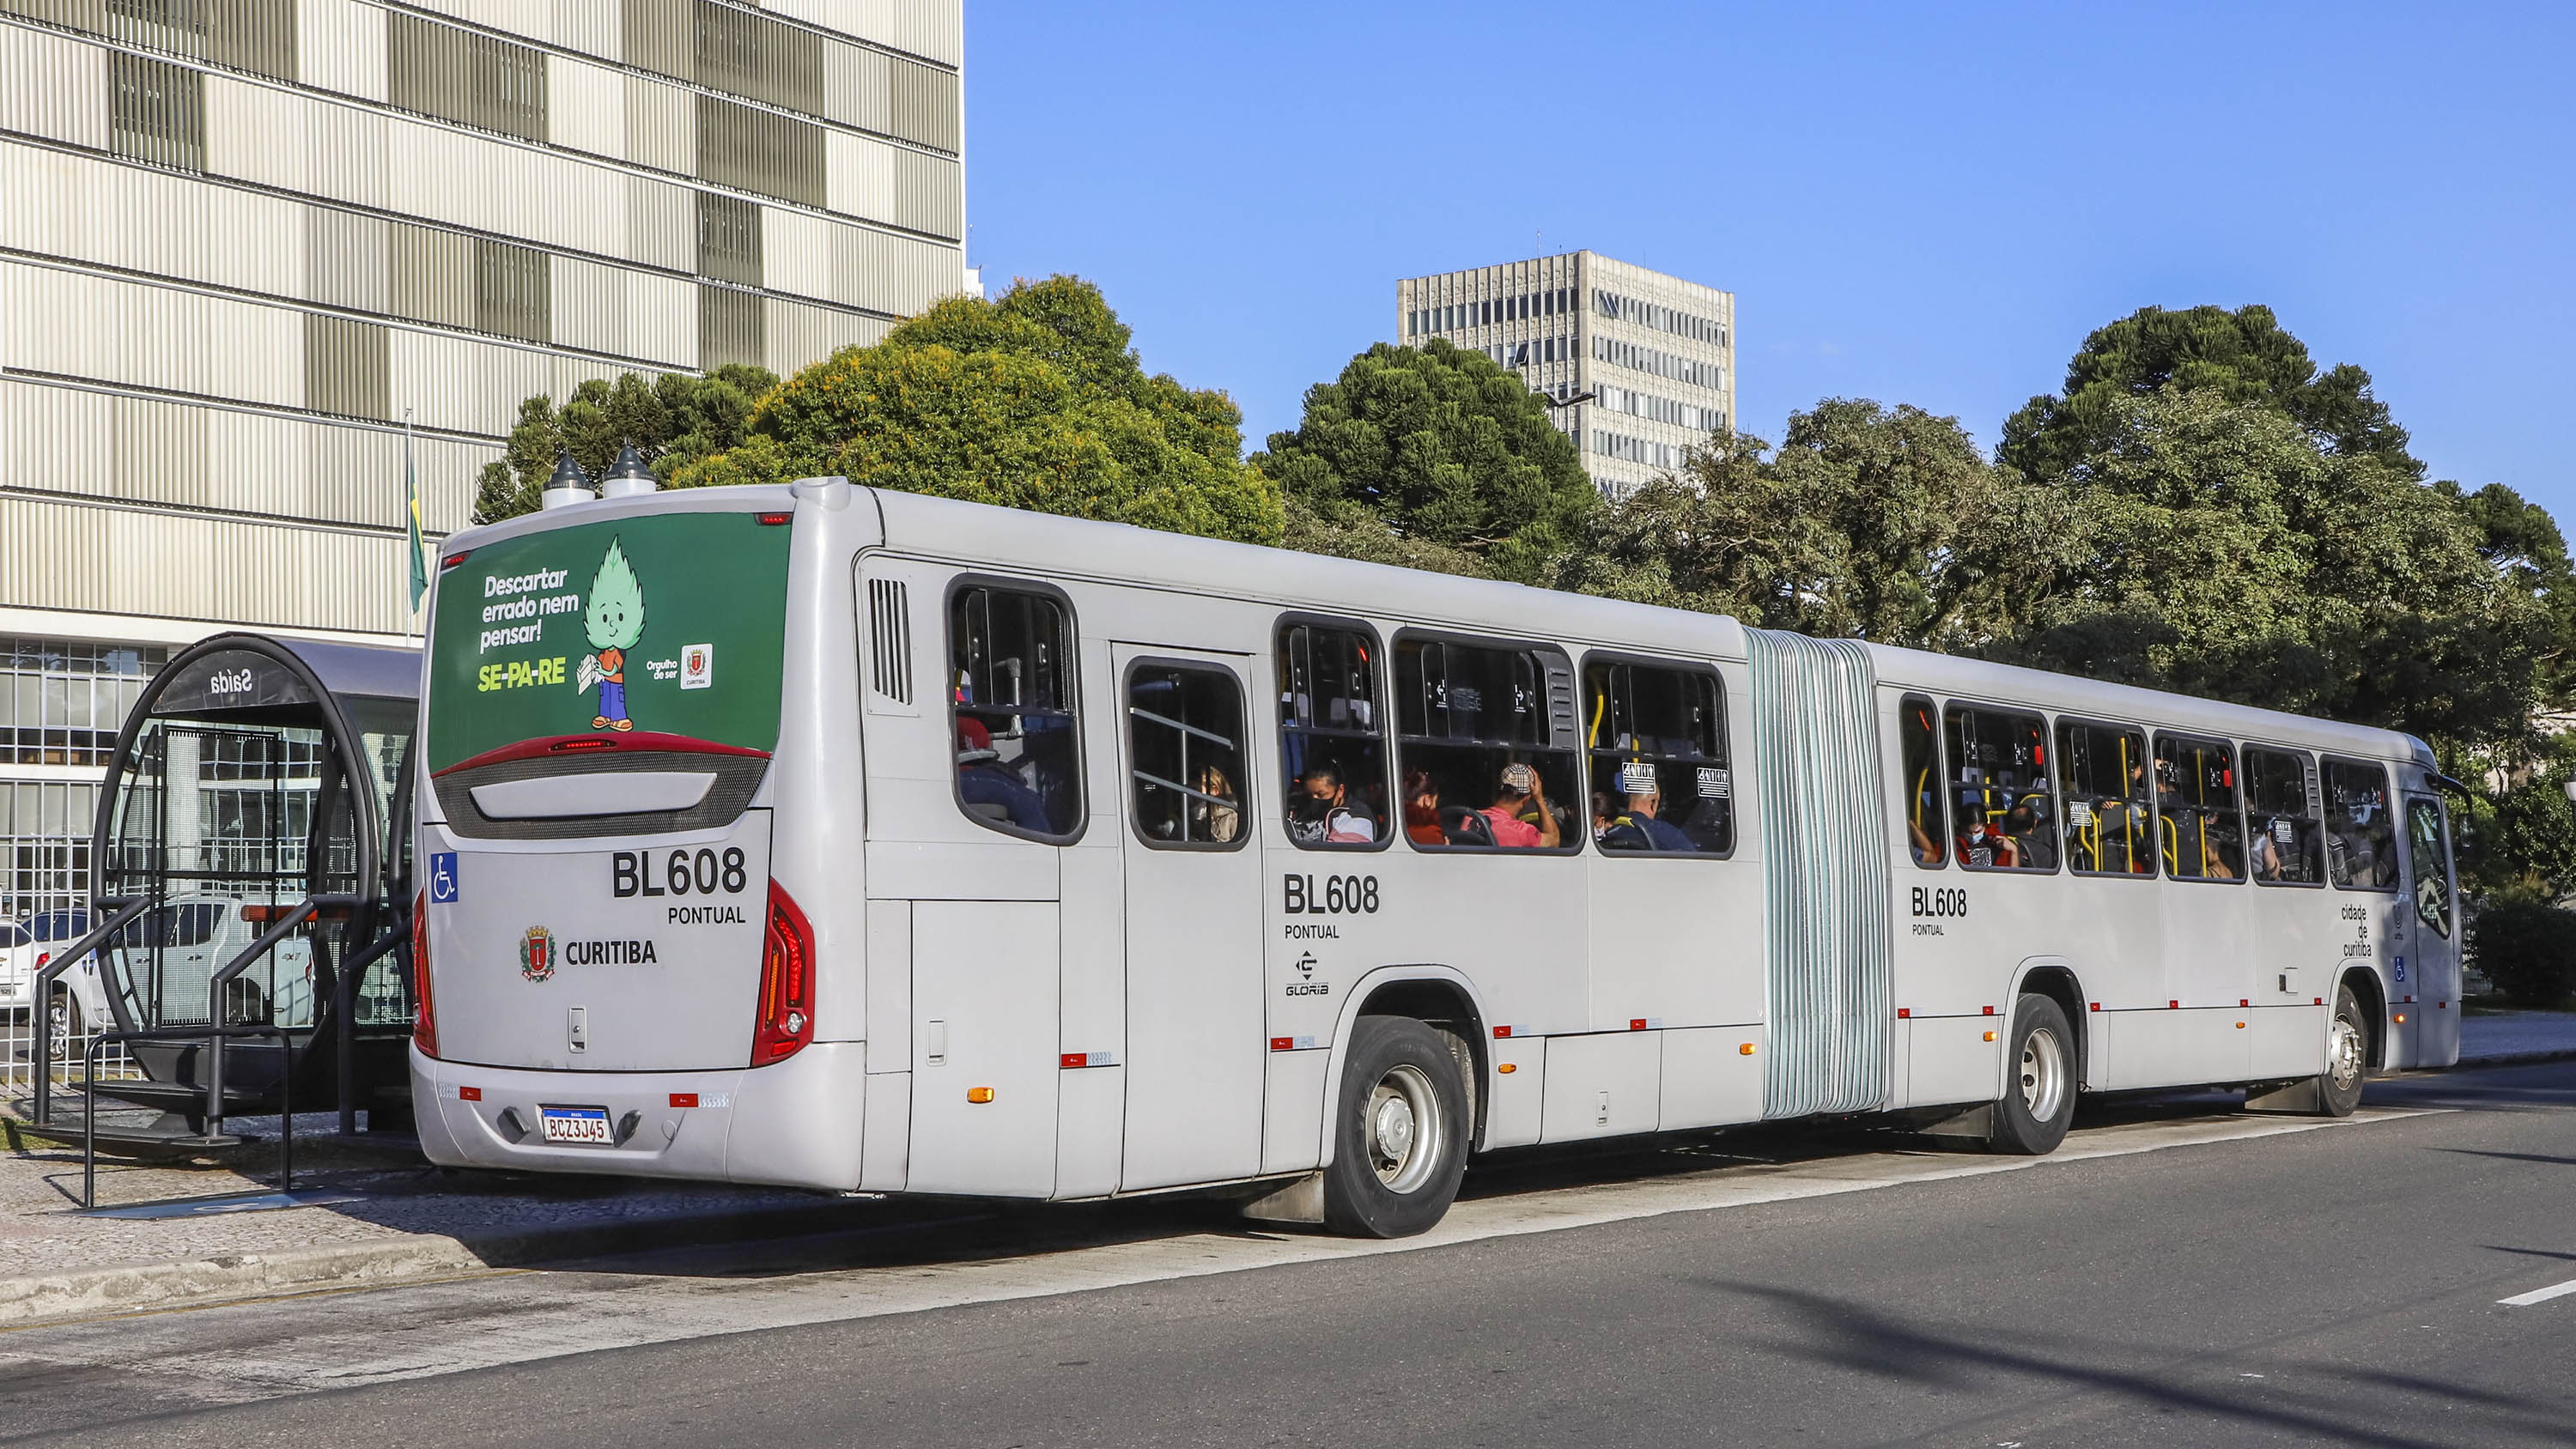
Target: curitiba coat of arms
{"type": "Point", "coordinates": [537, 954]}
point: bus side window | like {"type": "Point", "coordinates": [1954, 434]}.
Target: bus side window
{"type": "Point", "coordinates": [2198, 832]}
{"type": "Point", "coordinates": [1332, 742]}
{"type": "Point", "coordinates": [2285, 844]}
{"type": "Point", "coordinates": [1010, 671]}
{"type": "Point", "coordinates": [1185, 755]}
{"type": "Point", "coordinates": [1481, 770]}
{"type": "Point", "coordinates": [2110, 812]}
{"type": "Point", "coordinates": [2361, 834]}
{"type": "Point", "coordinates": [1926, 832]}
{"type": "Point", "coordinates": [1999, 786]}
{"type": "Point", "coordinates": [1657, 737]}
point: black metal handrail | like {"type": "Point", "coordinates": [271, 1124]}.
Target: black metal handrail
{"type": "Point", "coordinates": [344, 1005]}
{"type": "Point", "coordinates": [224, 976]}
{"type": "Point", "coordinates": [51, 972]}
{"type": "Point", "coordinates": [89, 1096]}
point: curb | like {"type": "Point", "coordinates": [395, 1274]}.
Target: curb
{"type": "Point", "coordinates": [135, 1287]}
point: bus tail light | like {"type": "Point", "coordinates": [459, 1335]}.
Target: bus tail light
{"type": "Point", "coordinates": [424, 1023]}
{"type": "Point", "coordinates": [786, 1020]}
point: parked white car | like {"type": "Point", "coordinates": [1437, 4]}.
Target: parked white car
{"type": "Point", "coordinates": [25, 947]}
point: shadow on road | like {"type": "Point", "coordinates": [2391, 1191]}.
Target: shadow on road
{"type": "Point", "coordinates": [1870, 1340]}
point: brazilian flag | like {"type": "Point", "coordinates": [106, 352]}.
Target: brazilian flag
{"type": "Point", "coordinates": [418, 551]}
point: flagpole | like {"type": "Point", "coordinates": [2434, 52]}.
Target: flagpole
{"type": "Point", "coordinates": [414, 542]}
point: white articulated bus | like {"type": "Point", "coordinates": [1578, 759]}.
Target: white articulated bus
{"type": "Point", "coordinates": [866, 841]}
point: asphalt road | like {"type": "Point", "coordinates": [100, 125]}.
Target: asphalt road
{"type": "Point", "coordinates": [2179, 1274]}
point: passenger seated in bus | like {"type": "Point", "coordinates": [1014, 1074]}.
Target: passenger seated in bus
{"type": "Point", "coordinates": [1641, 826]}
{"type": "Point", "coordinates": [1422, 809]}
{"type": "Point", "coordinates": [2026, 826]}
{"type": "Point", "coordinates": [1219, 824]}
{"type": "Point", "coordinates": [1600, 814]}
{"type": "Point", "coordinates": [2264, 861]}
{"type": "Point", "coordinates": [1927, 851]}
{"type": "Point", "coordinates": [987, 785]}
{"type": "Point", "coordinates": [1985, 844]}
{"type": "Point", "coordinates": [1321, 813]}
{"type": "Point", "coordinates": [1519, 794]}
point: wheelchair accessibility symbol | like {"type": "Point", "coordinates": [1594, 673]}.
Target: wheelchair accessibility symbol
{"type": "Point", "coordinates": [442, 878]}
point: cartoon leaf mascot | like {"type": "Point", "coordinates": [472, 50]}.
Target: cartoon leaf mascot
{"type": "Point", "coordinates": [614, 621]}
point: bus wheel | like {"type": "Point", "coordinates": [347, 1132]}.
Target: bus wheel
{"type": "Point", "coordinates": [2039, 1098]}
{"type": "Point", "coordinates": [1399, 1132]}
{"type": "Point", "coordinates": [2347, 1058]}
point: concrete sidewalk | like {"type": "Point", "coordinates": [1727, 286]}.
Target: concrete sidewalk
{"type": "Point", "coordinates": [370, 1212]}
{"type": "Point", "coordinates": [362, 1211]}
{"type": "Point", "coordinates": [2492, 1037]}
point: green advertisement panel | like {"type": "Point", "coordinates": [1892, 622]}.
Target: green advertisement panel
{"type": "Point", "coordinates": [665, 624]}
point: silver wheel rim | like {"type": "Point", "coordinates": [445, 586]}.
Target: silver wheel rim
{"type": "Point", "coordinates": [2343, 1058]}
{"type": "Point", "coordinates": [2043, 1074]}
{"type": "Point", "coordinates": [1403, 1130]}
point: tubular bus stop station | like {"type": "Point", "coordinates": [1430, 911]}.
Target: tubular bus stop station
{"type": "Point", "coordinates": [244, 951]}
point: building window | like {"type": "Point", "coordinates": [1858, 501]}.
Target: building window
{"type": "Point", "coordinates": [513, 295]}
{"type": "Point", "coordinates": [729, 239]}
{"type": "Point", "coordinates": [755, 56]}
{"type": "Point", "coordinates": [759, 151]}
{"type": "Point", "coordinates": [157, 111]}
{"type": "Point", "coordinates": [464, 76]}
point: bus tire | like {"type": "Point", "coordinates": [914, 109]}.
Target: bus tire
{"type": "Point", "coordinates": [1399, 1131]}
{"type": "Point", "coordinates": [2038, 1103]}
{"type": "Point", "coordinates": [2347, 1058]}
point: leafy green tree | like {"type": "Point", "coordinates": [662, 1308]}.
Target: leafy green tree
{"type": "Point", "coordinates": [1033, 400]}
{"type": "Point", "coordinates": [1433, 451]}
{"type": "Point", "coordinates": [670, 420]}
{"type": "Point", "coordinates": [1870, 522]}
{"type": "Point", "coordinates": [2231, 554]}
{"type": "Point", "coordinates": [2243, 356]}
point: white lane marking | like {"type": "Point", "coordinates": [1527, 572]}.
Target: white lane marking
{"type": "Point", "coordinates": [253, 1351]}
{"type": "Point", "coordinates": [2539, 1295]}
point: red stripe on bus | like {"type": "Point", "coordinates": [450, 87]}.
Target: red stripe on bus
{"type": "Point", "coordinates": [638, 740]}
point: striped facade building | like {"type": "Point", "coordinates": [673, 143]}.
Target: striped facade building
{"type": "Point", "coordinates": [249, 248]}
{"type": "Point", "coordinates": [1641, 364]}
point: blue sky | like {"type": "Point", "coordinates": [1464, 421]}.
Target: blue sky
{"type": "Point", "coordinates": [1915, 203]}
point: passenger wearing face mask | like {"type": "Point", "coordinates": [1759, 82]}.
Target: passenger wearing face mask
{"type": "Point", "coordinates": [1321, 812]}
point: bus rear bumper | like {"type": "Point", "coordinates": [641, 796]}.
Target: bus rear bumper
{"type": "Point", "coordinates": [794, 1124]}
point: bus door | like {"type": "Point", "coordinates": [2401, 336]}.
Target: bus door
{"type": "Point", "coordinates": [2428, 938]}
{"type": "Point", "coordinates": [1195, 1049]}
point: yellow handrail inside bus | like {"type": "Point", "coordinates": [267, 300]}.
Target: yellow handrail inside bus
{"type": "Point", "coordinates": [1600, 702]}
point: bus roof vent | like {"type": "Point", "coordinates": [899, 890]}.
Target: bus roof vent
{"type": "Point", "coordinates": [889, 640]}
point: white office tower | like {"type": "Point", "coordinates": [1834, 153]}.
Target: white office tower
{"type": "Point", "coordinates": [1657, 353]}
{"type": "Point", "coordinates": [242, 241]}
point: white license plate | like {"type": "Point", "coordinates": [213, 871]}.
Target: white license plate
{"type": "Point", "coordinates": [588, 1125]}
